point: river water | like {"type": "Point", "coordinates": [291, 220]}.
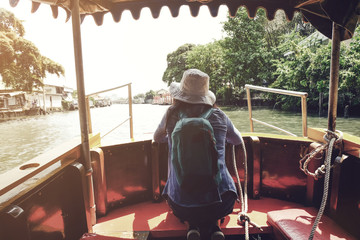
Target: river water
{"type": "Point", "coordinates": [25, 138]}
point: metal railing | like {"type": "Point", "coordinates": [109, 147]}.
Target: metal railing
{"type": "Point", "coordinates": [130, 118]}
{"type": "Point", "coordinates": [303, 96]}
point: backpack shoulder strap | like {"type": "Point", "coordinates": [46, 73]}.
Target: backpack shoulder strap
{"type": "Point", "coordinates": [182, 115]}
{"type": "Point", "coordinates": [207, 113]}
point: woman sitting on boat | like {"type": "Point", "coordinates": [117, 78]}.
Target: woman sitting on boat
{"type": "Point", "coordinates": [202, 208]}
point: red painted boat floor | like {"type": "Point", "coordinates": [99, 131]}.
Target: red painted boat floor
{"type": "Point", "coordinates": [158, 220]}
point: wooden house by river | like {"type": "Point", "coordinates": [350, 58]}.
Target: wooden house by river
{"type": "Point", "coordinates": [12, 103]}
{"type": "Point", "coordinates": [20, 103]}
{"type": "Point", "coordinates": [162, 97]}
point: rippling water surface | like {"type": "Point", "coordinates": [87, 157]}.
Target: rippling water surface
{"type": "Point", "coordinates": [25, 138]}
{"type": "Point", "coordinates": [289, 121]}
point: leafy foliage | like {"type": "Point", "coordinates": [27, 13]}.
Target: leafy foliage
{"type": "Point", "coordinates": [9, 23]}
{"type": "Point", "coordinates": [350, 72]}
{"type": "Point", "coordinates": [291, 71]}
{"type": "Point", "coordinates": [176, 64]}
{"type": "Point", "coordinates": [22, 67]}
{"type": "Point", "coordinates": [307, 68]}
{"type": "Point", "coordinates": [246, 53]}
{"type": "Point", "coordinates": [281, 54]}
{"type": "Point", "coordinates": [209, 58]}
{"type": "Point", "coordinates": [150, 95]}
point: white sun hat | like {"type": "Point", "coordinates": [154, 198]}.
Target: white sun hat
{"type": "Point", "coordinates": [193, 88]}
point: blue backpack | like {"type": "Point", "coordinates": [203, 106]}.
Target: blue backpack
{"type": "Point", "coordinates": [194, 155]}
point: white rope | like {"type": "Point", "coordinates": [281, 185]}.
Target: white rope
{"type": "Point", "coordinates": [243, 217]}
{"type": "Point", "coordinates": [243, 194]}
{"type": "Point", "coordinates": [334, 139]}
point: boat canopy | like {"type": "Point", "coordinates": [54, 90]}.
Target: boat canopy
{"type": "Point", "coordinates": [320, 13]}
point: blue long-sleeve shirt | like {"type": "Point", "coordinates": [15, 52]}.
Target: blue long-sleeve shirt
{"type": "Point", "coordinates": [224, 131]}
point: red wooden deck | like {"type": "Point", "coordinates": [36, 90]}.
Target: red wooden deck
{"type": "Point", "coordinates": [157, 220]}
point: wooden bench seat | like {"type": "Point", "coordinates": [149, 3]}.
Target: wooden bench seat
{"type": "Point", "coordinates": [296, 223]}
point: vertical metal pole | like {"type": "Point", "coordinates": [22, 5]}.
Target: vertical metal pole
{"type": "Point", "coordinates": [333, 100]}
{"type": "Point", "coordinates": [334, 77]}
{"type": "Point", "coordinates": [88, 114]}
{"type": "Point", "coordinates": [90, 209]}
{"type": "Point", "coordinates": [304, 115]}
{"type": "Point", "coordinates": [130, 113]}
{"type": "Point", "coordinates": [250, 109]}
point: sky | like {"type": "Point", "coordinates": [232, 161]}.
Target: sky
{"type": "Point", "coordinates": [118, 53]}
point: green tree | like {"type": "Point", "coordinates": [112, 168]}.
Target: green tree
{"type": "Point", "coordinates": [306, 68]}
{"type": "Point", "coordinates": [252, 45]}
{"type": "Point", "coordinates": [150, 95]}
{"type": "Point", "coordinates": [209, 58]}
{"type": "Point", "coordinates": [292, 74]}
{"type": "Point", "coordinates": [350, 72]}
{"type": "Point", "coordinates": [279, 27]}
{"type": "Point", "coordinates": [22, 67]}
{"type": "Point", "coordinates": [176, 64]}
{"type": "Point", "coordinates": [247, 54]}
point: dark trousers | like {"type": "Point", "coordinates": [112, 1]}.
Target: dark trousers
{"type": "Point", "coordinates": [207, 215]}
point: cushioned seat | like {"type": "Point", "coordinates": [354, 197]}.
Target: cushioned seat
{"type": "Point", "coordinates": [297, 224]}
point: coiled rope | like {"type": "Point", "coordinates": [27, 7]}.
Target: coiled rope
{"type": "Point", "coordinates": [243, 217]}
{"type": "Point", "coordinates": [319, 151]}
{"type": "Point", "coordinates": [332, 140]}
